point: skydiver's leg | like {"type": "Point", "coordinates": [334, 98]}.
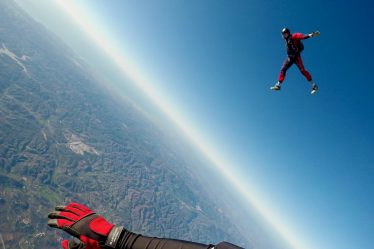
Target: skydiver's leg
{"type": "Point", "coordinates": [300, 65]}
{"type": "Point", "coordinates": [286, 65]}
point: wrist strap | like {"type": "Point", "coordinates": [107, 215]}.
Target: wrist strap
{"type": "Point", "coordinates": [114, 235]}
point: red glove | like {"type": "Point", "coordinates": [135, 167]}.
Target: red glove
{"type": "Point", "coordinates": [91, 229]}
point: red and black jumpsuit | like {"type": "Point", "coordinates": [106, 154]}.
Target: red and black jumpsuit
{"type": "Point", "coordinates": [294, 56]}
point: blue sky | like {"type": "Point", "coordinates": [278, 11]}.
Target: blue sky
{"type": "Point", "coordinates": [310, 157]}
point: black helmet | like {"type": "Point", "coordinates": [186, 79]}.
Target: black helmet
{"type": "Point", "coordinates": [286, 30]}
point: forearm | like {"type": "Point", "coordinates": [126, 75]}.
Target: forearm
{"type": "Point", "coordinates": [307, 36]}
{"type": "Point", "coordinates": [301, 36]}
{"type": "Point", "coordinates": [136, 241]}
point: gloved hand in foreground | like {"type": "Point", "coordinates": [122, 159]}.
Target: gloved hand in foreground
{"type": "Point", "coordinates": [92, 230]}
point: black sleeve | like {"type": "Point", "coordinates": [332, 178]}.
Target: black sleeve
{"type": "Point", "coordinates": [131, 240]}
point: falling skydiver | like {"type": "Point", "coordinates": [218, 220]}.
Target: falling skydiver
{"type": "Point", "coordinates": [294, 48]}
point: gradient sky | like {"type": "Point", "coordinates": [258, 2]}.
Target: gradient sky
{"type": "Point", "coordinates": [309, 157]}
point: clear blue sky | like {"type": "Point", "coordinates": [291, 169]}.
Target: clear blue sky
{"type": "Point", "coordinates": [311, 157]}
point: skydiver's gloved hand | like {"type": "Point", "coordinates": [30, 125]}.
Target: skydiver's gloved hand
{"type": "Point", "coordinates": [315, 34]}
{"type": "Point", "coordinates": [92, 230]}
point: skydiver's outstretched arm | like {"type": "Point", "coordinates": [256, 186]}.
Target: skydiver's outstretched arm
{"type": "Point", "coordinates": [301, 36]}
{"type": "Point", "coordinates": [95, 232]}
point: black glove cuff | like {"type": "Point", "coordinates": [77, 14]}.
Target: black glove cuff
{"type": "Point", "coordinates": [113, 237]}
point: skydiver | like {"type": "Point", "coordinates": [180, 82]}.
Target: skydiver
{"type": "Point", "coordinates": [294, 48]}
{"type": "Point", "coordinates": [92, 231]}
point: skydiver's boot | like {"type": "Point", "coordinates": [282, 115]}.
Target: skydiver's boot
{"type": "Point", "coordinates": [276, 87]}
{"type": "Point", "coordinates": [314, 88]}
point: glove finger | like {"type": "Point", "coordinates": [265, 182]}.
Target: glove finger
{"type": "Point", "coordinates": [60, 208]}
{"type": "Point", "coordinates": [65, 211]}
{"type": "Point", "coordinates": [78, 209]}
{"type": "Point", "coordinates": [75, 208]}
{"type": "Point", "coordinates": [69, 208]}
{"type": "Point", "coordinates": [58, 215]}
{"type": "Point", "coordinates": [53, 223]}
{"type": "Point", "coordinates": [80, 206]}
{"type": "Point", "coordinates": [60, 219]}
{"type": "Point", "coordinates": [59, 223]}
{"type": "Point", "coordinates": [69, 215]}
{"type": "Point", "coordinates": [65, 215]}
